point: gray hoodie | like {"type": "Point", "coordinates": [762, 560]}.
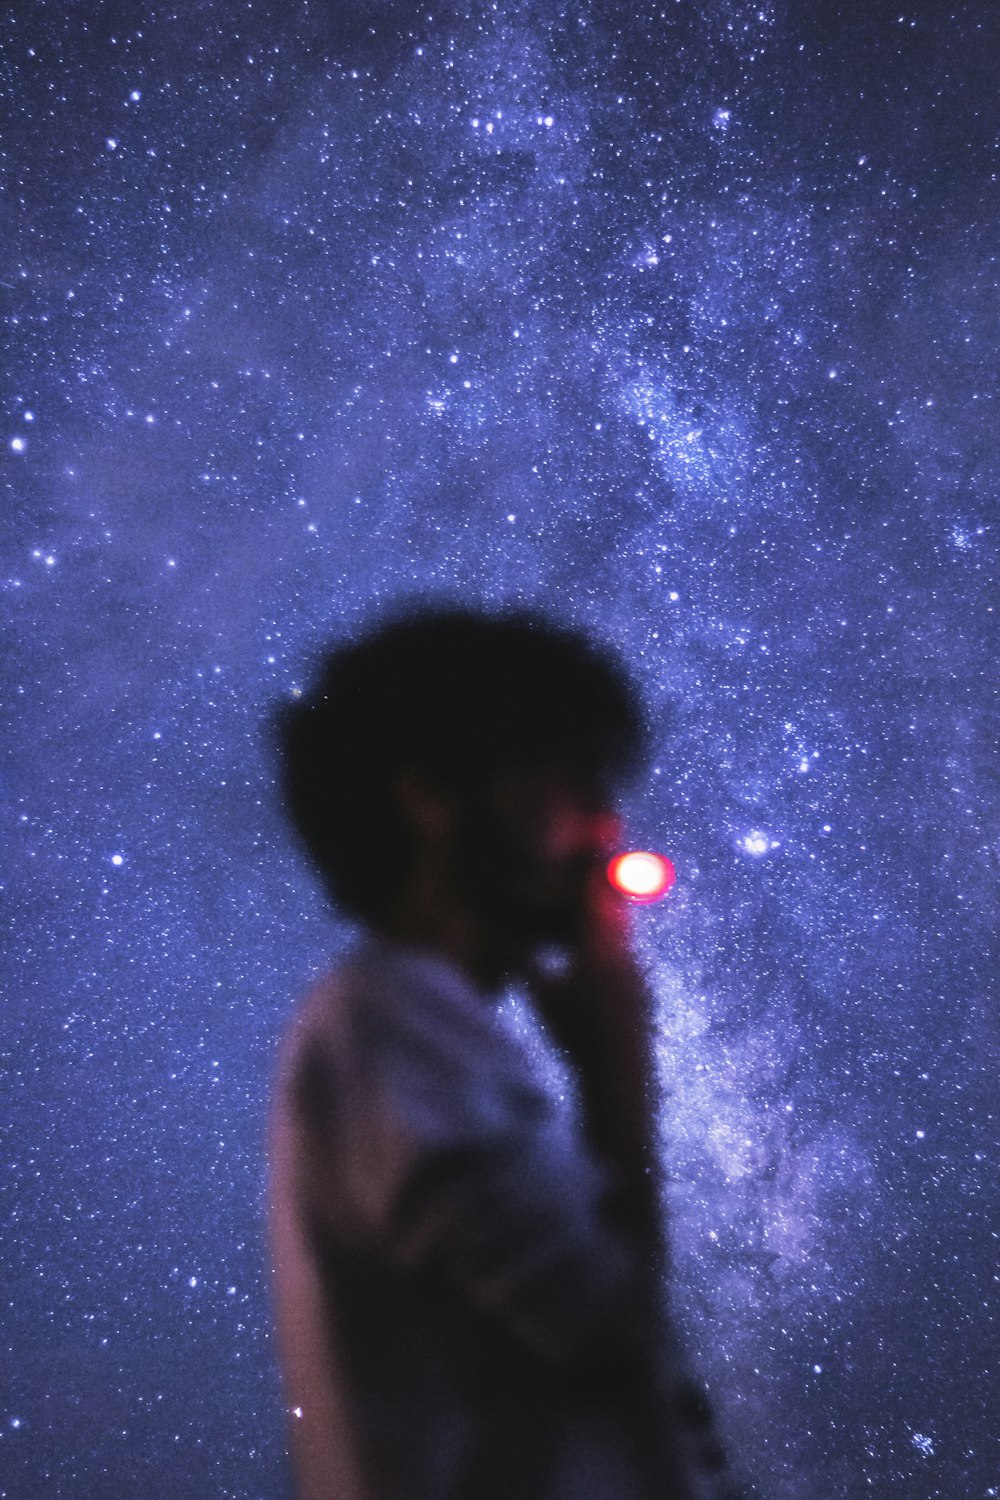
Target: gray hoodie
{"type": "Point", "coordinates": [451, 1286]}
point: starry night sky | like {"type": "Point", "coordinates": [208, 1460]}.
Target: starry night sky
{"type": "Point", "coordinates": [681, 320]}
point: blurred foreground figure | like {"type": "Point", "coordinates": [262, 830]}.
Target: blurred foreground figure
{"type": "Point", "coordinates": [469, 1269]}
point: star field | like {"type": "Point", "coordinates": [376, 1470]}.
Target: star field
{"type": "Point", "coordinates": [678, 320]}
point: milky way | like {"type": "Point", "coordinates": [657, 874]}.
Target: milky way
{"type": "Point", "coordinates": [681, 321]}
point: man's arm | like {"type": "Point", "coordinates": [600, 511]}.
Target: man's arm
{"type": "Point", "coordinates": [599, 1012]}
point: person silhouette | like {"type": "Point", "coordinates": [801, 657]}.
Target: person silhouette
{"type": "Point", "coordinates": [469, 1261]}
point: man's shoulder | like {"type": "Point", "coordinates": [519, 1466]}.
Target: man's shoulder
{"type": "Point", "coordinates": [408, 1023]}
{"type": "Point", "coordinates": [379, 990]}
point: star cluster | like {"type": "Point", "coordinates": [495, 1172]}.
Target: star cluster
{"type": "Point", "coordinates": [680, 320]}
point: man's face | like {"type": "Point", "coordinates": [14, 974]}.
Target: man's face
{"type": "Point", "coordinates": [525, 852]}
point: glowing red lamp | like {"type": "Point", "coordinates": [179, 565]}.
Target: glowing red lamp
{"type": "Point", "coordinates": [641, 876]}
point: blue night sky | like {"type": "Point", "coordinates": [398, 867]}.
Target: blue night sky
{"type": "Point", "coordinates": [680, 320]}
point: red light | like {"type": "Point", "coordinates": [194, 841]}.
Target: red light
{"type": "Point", "coordinates": [641, 876]}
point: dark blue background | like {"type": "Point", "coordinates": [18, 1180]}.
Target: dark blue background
{"type": "Point", "coordinates": [680, 320]}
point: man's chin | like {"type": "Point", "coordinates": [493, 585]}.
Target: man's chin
{"type": "Point", "coordinates": [551, 928]}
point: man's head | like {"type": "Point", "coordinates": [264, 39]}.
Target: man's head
{"type": "Point", "coordinates": [482, 752]}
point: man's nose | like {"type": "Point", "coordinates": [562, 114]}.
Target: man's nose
{"type": "Point", "coordinates": [583, 830]}
{"type": "Point", "coordinates": [606, 831]}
